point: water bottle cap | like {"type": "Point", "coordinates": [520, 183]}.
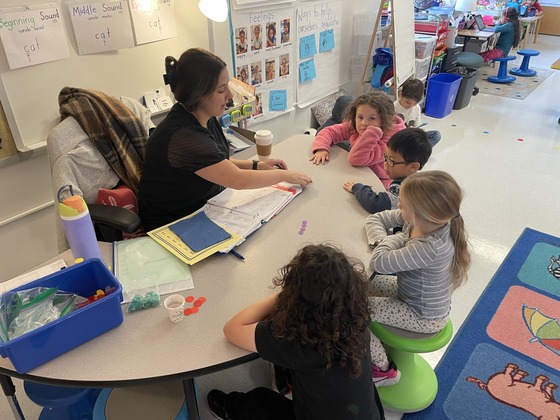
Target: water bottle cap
{"type": "Point", "coordinates": [76, 202]}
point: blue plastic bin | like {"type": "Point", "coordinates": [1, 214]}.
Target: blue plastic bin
{"type": "Point", "coordinates": [442, 91]}
{"type": "Point", "coordinates": [39, 346]}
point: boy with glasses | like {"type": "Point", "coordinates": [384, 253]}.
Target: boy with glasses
{"type": "Point", "coordinates": [407, 152]}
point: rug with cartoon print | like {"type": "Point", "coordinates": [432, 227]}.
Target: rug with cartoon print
{"type": "Point", "coordinates": [504, 362]}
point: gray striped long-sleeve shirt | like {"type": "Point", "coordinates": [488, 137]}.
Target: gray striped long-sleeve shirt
{"type": "Point", "coordinates": [422, 265]}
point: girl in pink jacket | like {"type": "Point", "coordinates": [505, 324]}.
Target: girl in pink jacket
{"type": "Point", "coordinates": [369, 122]}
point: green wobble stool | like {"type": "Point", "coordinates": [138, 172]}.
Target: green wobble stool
{"type": "Point", "coordinates": [418, 385]}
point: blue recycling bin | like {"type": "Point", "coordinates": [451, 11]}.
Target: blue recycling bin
{"type": "Point", "coordinates": [442, 91]}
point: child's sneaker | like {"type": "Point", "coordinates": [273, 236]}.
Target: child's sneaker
{"type": "Point", "coordinates": [384, 378]}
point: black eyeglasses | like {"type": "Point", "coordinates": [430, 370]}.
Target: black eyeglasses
{"type": "Point", "coordinates": [391, 163]}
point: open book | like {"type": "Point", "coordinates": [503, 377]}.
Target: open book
{"type": "Point", "coordinates": [238, 212]}
{"type": "Point", "coordinates": [244, 211]}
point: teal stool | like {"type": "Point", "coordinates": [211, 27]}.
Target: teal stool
{"type": "Point", "coordinates": [418, 385]}
{"type": "Point", "coordinates": [502, 76]}
{"type": "Point", "coordinates": [524, 70]}
{"type": "Point", "coordinates": [470, 60]}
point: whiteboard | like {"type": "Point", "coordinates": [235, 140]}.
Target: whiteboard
{"type": "Point", "coordinates": [29, 95]}
{"type": "Point", "coordinates": [404, 54]}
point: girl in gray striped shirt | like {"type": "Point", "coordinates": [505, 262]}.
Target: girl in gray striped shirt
{"type": "Point", "coordinates": [416, 269]}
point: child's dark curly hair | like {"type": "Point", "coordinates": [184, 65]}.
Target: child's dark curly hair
{"type": "Point", "coordinates": [379, 101]}
{"type": "Point", "coordinates": [323, 303]}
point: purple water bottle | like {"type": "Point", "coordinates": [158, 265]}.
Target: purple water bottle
{"type": "Point", "coordinates": [77, 225]}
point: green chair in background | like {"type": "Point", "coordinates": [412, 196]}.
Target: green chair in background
{"type": "Point", "coordinates": [418, 385]}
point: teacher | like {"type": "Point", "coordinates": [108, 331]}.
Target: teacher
{"type": "Point", "coordinates": [187, 156]}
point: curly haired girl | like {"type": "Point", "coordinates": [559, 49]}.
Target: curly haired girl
{"type": "Point", "coordinates": [316, 327]}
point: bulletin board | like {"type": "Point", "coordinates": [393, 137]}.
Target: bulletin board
{"type": "Point", "coordinates": [264, 58]}
{"type": "Point", "coordinates": [29, 94]}
{"type": "Point", "coordinates": [304, 64]}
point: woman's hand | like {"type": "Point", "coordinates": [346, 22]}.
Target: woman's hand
{"type": "Point", "coordinates": [294, 177]}
{"type": "Point", "coordinates": [320, 157]}
{"type": "Point", "coordinates": [272, 164]}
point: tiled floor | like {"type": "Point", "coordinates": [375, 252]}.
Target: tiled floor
{"type": "Point", "coordinates": [505, 153]}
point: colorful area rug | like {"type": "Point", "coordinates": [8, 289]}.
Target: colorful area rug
{"type": "Point", "coordinates": [519, 89]}
{"type": "Point", "coordinates": [504, 362]}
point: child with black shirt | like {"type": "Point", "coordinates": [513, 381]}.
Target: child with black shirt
{"type": "Point", "coordinates": [317, 328]}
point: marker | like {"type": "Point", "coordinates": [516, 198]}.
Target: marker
{"type": "Point", "coordinates": [237, 254]}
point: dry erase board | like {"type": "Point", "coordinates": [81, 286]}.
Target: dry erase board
{"type": "Point", "coordinates": [29, 94]}
{"type": "Point", "coordinates": [404, 54]}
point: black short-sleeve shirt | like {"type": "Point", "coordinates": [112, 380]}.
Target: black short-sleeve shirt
{"type": "Point", "coordinates": [179, 146]}
{"type": "Point", "coordinates": [320, 393]}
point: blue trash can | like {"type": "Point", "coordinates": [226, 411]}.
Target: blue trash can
{"type": "Point", "coordinates": [442, 91]}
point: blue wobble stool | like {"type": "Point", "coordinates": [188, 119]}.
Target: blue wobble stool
{"type": "Point", "coordinates": [61, 402]}
{"type": "Point", "coordinates": [502, 76]}
{"type": "Point", "coordinates": [524, 70]}
{"type": "Point", "coordinates": [418, 385]}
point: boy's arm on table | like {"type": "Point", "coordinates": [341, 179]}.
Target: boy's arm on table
{"type": "Point", "coordinates": [371, 201]}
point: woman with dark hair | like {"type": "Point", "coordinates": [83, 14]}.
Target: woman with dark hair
{"type": "Point", "coordinates": [317, 328]}
{"type": "Point", "coordinates": [187, 156]}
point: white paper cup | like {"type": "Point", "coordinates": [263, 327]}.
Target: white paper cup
{"type": "Point", "coordinates": [175, 306]}
{"type": "Point", "coordinates": [263, 140]}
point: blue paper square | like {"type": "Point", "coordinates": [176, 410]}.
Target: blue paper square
{"type": "Point", "coordinates": [326, 40]}
{"type": "Point", "coordinates": [307, 47]}
{"type": "Point", "coordinates": [277, 100]}
{"type": "Point", "coordinates": [199, 232]}
{"type": "Point", "coordinates": [307, 70]}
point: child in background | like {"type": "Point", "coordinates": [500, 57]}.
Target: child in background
{"type": "Point", "coordinates": [407, 152]}
{"type": "Point", "coordinates": [535, 4]}
{"type": "Point", "coordinates": [429, 259]}
{"type": "Point", "coordinates": [317, 327]}
{"type": "Point", "coordinates": [369, 122]}
{"type": "Point", "coordinates": [411, 93]}
{"type": "Point", "coordinates": [509, 28]}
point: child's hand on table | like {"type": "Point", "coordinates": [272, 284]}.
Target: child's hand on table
{"type": "Point", "coordinates": [348, 185]}
{"type": "Point", "coordinates": [320, 157]}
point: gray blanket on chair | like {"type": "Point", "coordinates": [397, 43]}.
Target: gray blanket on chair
{"type": "Point", "coordinates": [114, 129]}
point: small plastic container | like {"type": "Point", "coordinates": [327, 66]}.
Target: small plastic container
{"type": "Point", "coordinates": [424, 45]}
{"type": "Point", "coordinates": [43, 344]}
{"type": "Point", "coordinates": [441, 94]}
{"type": "Point", "coordinates": [422, 67]}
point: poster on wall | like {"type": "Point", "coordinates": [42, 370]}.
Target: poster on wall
{"type": "Point", "coordinates": [318, 51]}
{"type": "Point", "coordinates": [264, 58]}
{"type": "Point", "coordinates": [33, 35]}
{"type": "Point", "coordinates": [153, 20]}
{"type": "Point", "coordinates": [101, 26]}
